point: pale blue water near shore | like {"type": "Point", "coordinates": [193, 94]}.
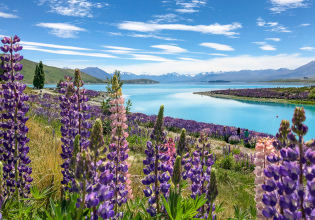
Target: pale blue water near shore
{"type": "Point", "coordinates": [180, 102]}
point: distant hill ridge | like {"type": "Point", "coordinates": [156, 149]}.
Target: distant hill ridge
{"type": "Point", "coordinates": [52, 74]}
{"type": "Point", "coordinates": [307, 70]}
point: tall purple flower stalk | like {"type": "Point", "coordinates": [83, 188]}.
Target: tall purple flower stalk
{"type": "Point", "coordinates": [16, 172]}
{"type": "Point", "coordinates": [156, 167]}
{"type": "Point", "coordinates": [118, 149]}
{"type": "Point", "coordinates": [93, 177]}
{"type": "Point", "coordinates": [287, 195]}
{"type": "Point", "coordinates": [75, 121]}
{"type": "Point", "coordinates": [200, 174]}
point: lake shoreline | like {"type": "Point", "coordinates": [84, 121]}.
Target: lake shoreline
{"type": "Point", "coordinates": [243, 98]}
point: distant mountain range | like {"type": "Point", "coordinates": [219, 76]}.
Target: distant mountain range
{"type": "Point", "coordinates": [307, 70]}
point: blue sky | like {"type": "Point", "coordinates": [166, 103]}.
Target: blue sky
{"type": "Point", "coordinates": [161, 36]}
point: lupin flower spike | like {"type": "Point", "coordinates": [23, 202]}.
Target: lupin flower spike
{"type": "Point", "coordinates": [16, 170]}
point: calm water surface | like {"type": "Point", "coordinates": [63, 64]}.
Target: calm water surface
{"type": "Point", "coordinates": [180, 102]}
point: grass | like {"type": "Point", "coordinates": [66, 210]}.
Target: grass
{"type": "Point", "coordinates": [45, 149]}
{"type": "Point", "coordinates": [52, 74]}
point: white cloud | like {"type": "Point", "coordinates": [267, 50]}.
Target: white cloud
{"type": "Point", "coordinates": [152, 36]}
{"type": "Point", "coordinates": [268, 47]}
{"type": "Point", "coordinates": [170, 49]}
{"type": "Point", "coordinates": [305, 25]}
{"type": "Point", "coordinates": [27, 43]}
{"type": "Point", "coordinates": [273, 39]}
{"type": "Point", "coordinates": [7, 15]}
{"type": "Point", "coordinates": [167, 18]}
{"type": "Point", "coordinates": [148, 57]}
{"type": "Point", "coordinates": [62, 30]}
{"type": "Point", "coordinates": [68, 52]}
{"type": "Point", "coordinates": [186, 10]}
{"type": "Point", "coordinates": [290, 61]}
{"type": "Point", "coordinates": [265, 46]}
{"type": "Point", "coordinates": [216, 28]}
{"type": "Point", "coordinates": [279, 6]}
{"type": "Point", "coordinates": [187, 58]}
{"type": "Point", "coordinates": [119, 48]}
{"type": "Point", "coordinates": [76, 8]}
{"type": "Point", "coordinates": [217, 46]}
{"type": "Point", "coordinates": [272, 26]}
{"type": "Point", "coordinates": [189, 6]}
{"type": "Point", "coordinates": [218, 54]}
{"type": "Point", "coordinates": [308, 48]}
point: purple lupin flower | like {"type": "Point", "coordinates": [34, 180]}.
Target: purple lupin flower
{"type": "Point", "coordinates": [287, 196]}
{"type": "Point", "coordinates": [156, 167]}
{"type": "Point", "coordinates": [200, 174]}
{"type": "Point", "coordinates": [16, 172]}
{"type": "Point", "coordinates": [75, 121]}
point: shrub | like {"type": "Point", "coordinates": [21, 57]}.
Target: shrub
{"type": "Point", "coordinates": [234, 139]}
{"type": "Point", "coordinates": [226, 162]}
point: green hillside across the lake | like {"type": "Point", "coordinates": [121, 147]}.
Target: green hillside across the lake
{"type": "Point", "coordinates": [52, 74]}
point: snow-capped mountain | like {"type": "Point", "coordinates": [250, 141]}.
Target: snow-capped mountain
{"type": "Point", "coordinates": [307, 70]}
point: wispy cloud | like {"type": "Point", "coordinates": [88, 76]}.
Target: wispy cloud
{"type": "Point", "coordinates": [216, 28]}
{"type": "Point", "coordinates": [68, 52]}
{"type": "Point", "coordinates": [153, 36]}
{"type": "Point", "coordinates": [62, 30]}
{"type": "Point", "coordinates": [273, 39]}
{"type": "Point", "coordinates": [304, 25]}
{"type": "Point", "coordinates": [218, 54]}
{"type": "Point", "coordinates": [76, 8]}
{"type": "Point", "coordinates": [265, 46]}
{"type": "Point", "coordinates": [7, 15]}
{"type": "Point", "coordinates": [189, 6]}
{"type": "Point", "coordinates": [120, 50]}
{"type": "Point", "coordinates": [217, 46]}
{"type": "Point", "coordinates": [167, 18]}
{"type": "Point", "coordinates": [272, 26]}
{"type": "Point", "coordinates": [148, 57]}
{"type": "Point", "coordinates": [279, 6]}
{"type": "Point", "coordinates": [27, 43]}
{"type": "Point", "coordinates": [170, 49]}
{"type": "Point", "coordinates": [308, 48]}
{"type": "Point", "coordinates": [187, 58]}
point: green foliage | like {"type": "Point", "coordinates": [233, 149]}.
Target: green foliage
{"type": "Point", "coordinates": [178, 208]}
{"type": "Point", "coordinates": [29, 208]}
{"type": "Point", "coordinates": [39, 76]}
{"type": "Point", "coordinates": [312, 94]}
{"type": "Point", "coordinates": [236, 151]}
{"type": "Point", "coordinates": [226, 162]}
{"type": "Point", "coordinates": [128, 106]}
{"type": "Point", "coordinates": [247, 214]}
{"type": "Point", "coordinates": [105, 106]}
{"type": "Point", "coordinates": [106, 126]}
{"type": "Point", "coordinates": [65, 209]}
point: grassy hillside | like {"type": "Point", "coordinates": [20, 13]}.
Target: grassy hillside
{"type": "Point", "coordinates": [52, 74]}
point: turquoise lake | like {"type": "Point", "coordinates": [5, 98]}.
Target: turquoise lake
{"type": "Point", "coordinates": [180, 102]}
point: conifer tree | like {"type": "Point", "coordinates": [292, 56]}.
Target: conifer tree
{"type": "Point", "coordinates": [39, 77]}
{"type": "Point", "coordinates": [35, 81]}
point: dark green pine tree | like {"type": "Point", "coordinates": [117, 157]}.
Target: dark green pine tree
{"type": "Point", "coordinates": [41, 75]}
{"type": "Point", "coordinates": [36, 80]}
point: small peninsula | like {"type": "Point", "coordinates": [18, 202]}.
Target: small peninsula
{"type": "Point", "coordinates": [292, 95]}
